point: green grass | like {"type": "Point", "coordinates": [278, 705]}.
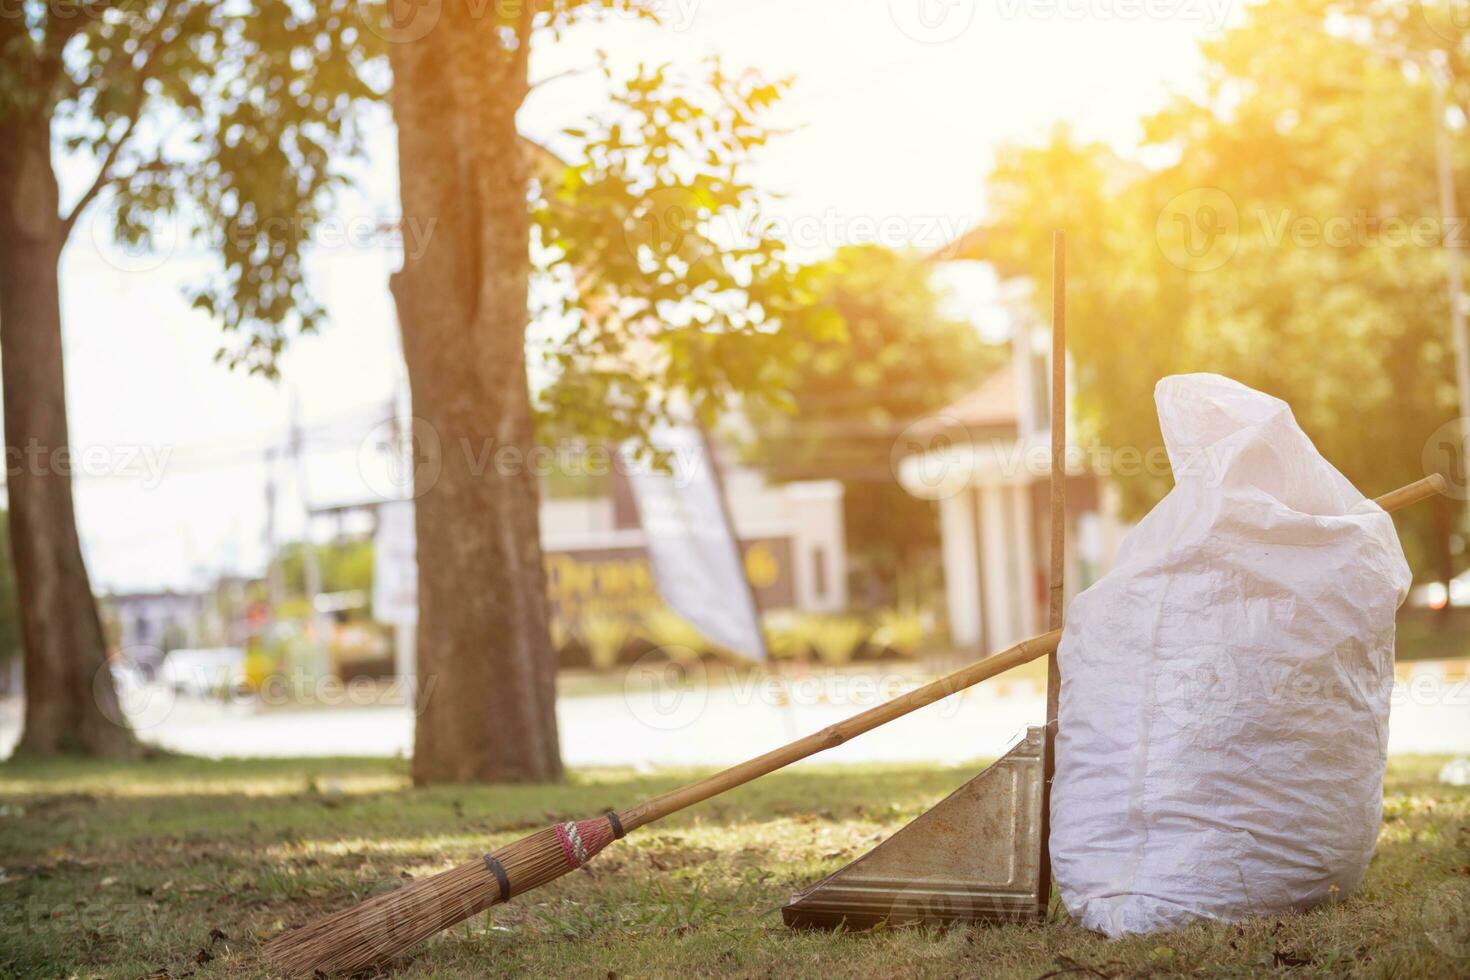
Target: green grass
{"type": "Point", "coordinates": [180, 867]}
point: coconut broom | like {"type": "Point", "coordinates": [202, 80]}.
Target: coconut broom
{"type": "Point", "coordinates": [385, 926]}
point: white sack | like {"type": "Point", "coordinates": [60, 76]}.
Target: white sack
{"type": "Point", "coordinates": [1225, 688]}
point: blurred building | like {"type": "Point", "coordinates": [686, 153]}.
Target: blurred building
{"type": "Point", "coordinates": [156, 622]}
{"type": "Point", "coordinates": [791, 536]}
{"type": "Point", "coordinates": [985, 460]}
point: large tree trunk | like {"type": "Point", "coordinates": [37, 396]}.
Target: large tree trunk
{"type": "Point", "coordinates": [485, 660]}
{"type": "Point", "coordinates": [71, 705]}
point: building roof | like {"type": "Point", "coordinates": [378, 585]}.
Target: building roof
{"type": "Point", "coordinates": [995, 403]}
{"type": "Point", "coordinates": [972, 246]}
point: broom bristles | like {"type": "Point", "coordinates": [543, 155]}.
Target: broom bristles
{"type": "Point", "coordinates": [381, 928]}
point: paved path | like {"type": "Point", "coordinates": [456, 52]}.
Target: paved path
{"type": "Point", "coordinates": [698, 726]}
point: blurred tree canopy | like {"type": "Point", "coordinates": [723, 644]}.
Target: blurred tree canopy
{"type": "Point", "coordinates": [345, 566]}
{"type": "Point", "coordinates": [665, 292]}
{"type": "Point", "coordinates": [233, 125]}
{"type": "Point", "coordinates": [897, 358]}
{"type": "Point", "coordinates": [224, 124]}
{"type": "Point", "coordinates": [1286, 233]}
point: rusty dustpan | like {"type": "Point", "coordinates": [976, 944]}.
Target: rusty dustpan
{"type": "Point", "coordinates": [980, 854]}
{"type": "Point", "coordinates": [976, 856]}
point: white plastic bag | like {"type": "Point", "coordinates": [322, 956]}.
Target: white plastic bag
{"type": "Point", "coordinates": [1225, 688]}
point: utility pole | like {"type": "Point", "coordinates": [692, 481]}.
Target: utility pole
{"type": "Point", "coordinates": [1450, 225]}
{"type": "Point", "coordinates": [405, 631]}
{"type": "Point", "coordinates": [311, 567]}
{"type": "Point", "coordinates": [275, 587]}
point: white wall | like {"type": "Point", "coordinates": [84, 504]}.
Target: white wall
{"type": "Point", "coordinates": [961, 567]}
{"type": "Point", "coordinates": [819, 544]}
{"type": "Point", "coordinates": [576, 522]}
{"type": "Point", "coordinates": [809, 512]}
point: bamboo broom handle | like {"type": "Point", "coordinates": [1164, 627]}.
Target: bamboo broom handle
{"type": "Point", "coordinates": [1411, 494]}
{"type": "Point", "coordinates": [834, 735]}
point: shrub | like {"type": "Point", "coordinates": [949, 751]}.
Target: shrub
{"type": "Point", "coordinates": [901, 630]}
{"type": "Point", "coordinates": [674, 635]}
{"type": "Point", "coordinates": [835, 638]}
{"type": "Point", "coordinates": [561, 634]}
{"type": "Point", "coordinates": [786, 637]}
{"type": "Point", "coordinates": [604, 637]}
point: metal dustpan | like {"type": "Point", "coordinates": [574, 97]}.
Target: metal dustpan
{"type": "Point", "coordinates": [975, 856]}
{"type": "Point", "coordinates": [980, 854]}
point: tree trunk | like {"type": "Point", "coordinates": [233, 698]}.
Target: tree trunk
{"type": "Point", "coordinates": [71, 705]}
{"type": "Point", "coordinates": [486, 666]}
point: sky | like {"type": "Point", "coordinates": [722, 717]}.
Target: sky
{"type": "Point", "coordinates": [898, 108]}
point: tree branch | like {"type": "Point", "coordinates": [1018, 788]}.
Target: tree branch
{"type": "Point", "coordinates": [103, 177]}
{"type": "Point", "coordinates": [540, 155]}
{"type": "Point", "coordinates": [140, 97]}
{"type": "Point", "coordinates": [557, 76]}
{"type": "Point", "coordinates": [59, 30]}
{"type": "Point", "coordinates": [521, 61]}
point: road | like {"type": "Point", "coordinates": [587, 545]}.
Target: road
{"type": "Point", "coordinates": [696, 725]}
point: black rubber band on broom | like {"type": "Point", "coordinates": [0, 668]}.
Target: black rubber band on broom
{"type": "Point", "coordinates": [617, 825]}
{"type": "Point", "coordinates": [498, 870]}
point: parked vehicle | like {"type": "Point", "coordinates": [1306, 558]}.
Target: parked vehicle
{"type": "Point", "coordinates": [215, 672]}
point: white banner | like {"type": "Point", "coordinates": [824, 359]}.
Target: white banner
{"type": "Point", "coordinates": [395, 565]}
{"type": "Point", "coordinates": [692, 549]}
